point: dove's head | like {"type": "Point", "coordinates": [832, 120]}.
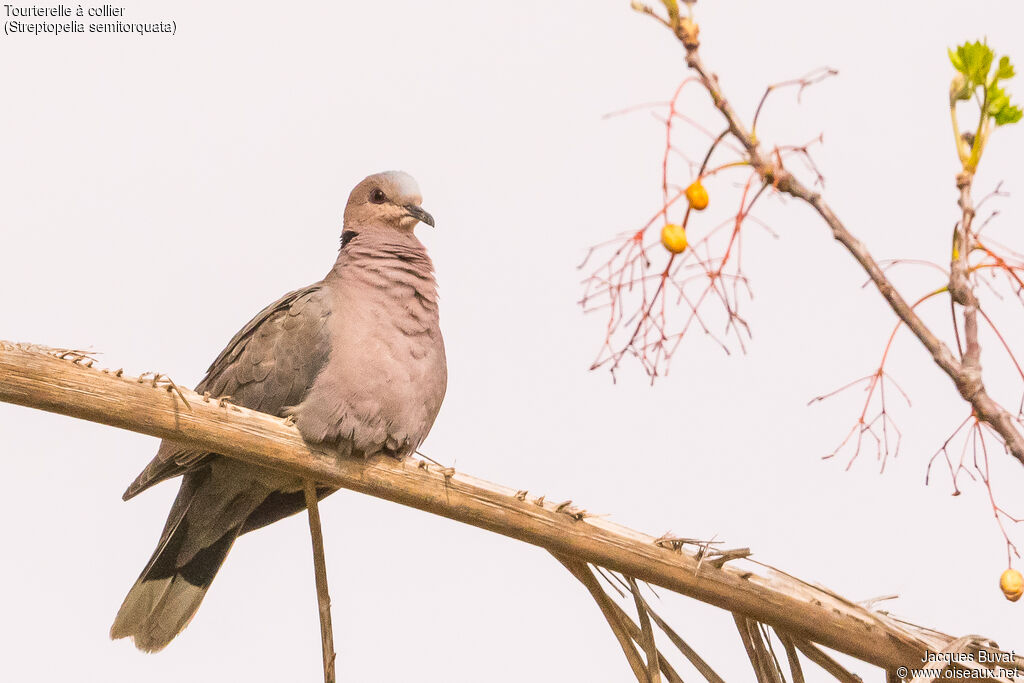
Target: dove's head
{"type": "Point", "coordinates": [386, 200]}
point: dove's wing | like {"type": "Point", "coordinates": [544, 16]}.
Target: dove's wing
{"type": "Point", "coordinates": [268, 366]}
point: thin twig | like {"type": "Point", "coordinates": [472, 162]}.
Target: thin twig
{"type": "Point", "coordinates": [796, 672]}
{"type": "Point", "coordinates": [762, 658]}
{"type": "Point", "coordinates": [320, 568]}
{"type": "Point", "coordinates": [965, 372]}
{"type": "Point", "coordinates": [635, 633]}
{"type": "Point", "coordinates": [742, 625]}
{"type": "Point", "coordinates": [647, 633]}
{"type": "Point", "coordinates": [582, 572]}
{"type": "Point", "coordinates": [695, 659]}
{"type": "Point", "coordinates": [827, 663]}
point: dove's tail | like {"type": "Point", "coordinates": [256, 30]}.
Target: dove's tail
{"type": "Point", "coordinates": [165, 597]}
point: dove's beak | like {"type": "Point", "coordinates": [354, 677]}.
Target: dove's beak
{"type": "Point", "coordinates": [419, 214]}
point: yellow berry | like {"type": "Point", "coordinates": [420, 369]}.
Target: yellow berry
{"type": "Point", "coordinates": [674, 238]}
{"type": "Point", "coordinates": [1012, 584]}
{"type": "Point", "coordinates": [697, 196]}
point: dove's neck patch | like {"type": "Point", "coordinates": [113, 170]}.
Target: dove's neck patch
{"type": "Point", "coordinates": [347, 236]}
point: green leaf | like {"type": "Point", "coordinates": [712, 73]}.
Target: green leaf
{"type": "Point", "coordinates": [998, 103]}
{"type": "Point", "coordinates": [973, 60]}
{"type": "Point", "coordinates": [996, 98]}
{"type": "Point", "coordinates": [999, 107]}
{"type": "Point", "coordinates": [958, 63]}
{"type": "Point", "coordinates": [1008, 114]}
{"type": "Point", "coordinates": [1005, 68]}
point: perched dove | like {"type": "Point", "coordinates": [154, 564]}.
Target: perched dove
{"type": "Point", "coordinates": [357, 359]}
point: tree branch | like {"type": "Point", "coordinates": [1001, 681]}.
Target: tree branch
{"type": "Point", "coordinates": [64, 382]}
{"type": "Point", "coordinates": [966, 372]}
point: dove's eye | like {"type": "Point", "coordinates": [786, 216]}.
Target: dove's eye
{"type": "Point", "coordinates": [377, 196]}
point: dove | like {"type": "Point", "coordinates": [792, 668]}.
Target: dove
{"type": "Point", "coordinates": [356, 360]}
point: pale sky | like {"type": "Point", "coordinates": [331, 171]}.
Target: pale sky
{"type": "Point", "coordinates": [158, 191]}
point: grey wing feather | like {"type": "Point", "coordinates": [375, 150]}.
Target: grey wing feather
{"type": "Point", "coordinates": [268, 366]}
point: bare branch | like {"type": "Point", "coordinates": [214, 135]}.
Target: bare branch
{"type": "Point", "coordinates": [965, 372]}
{"type": "Point", "coordinates": [36, 377]}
